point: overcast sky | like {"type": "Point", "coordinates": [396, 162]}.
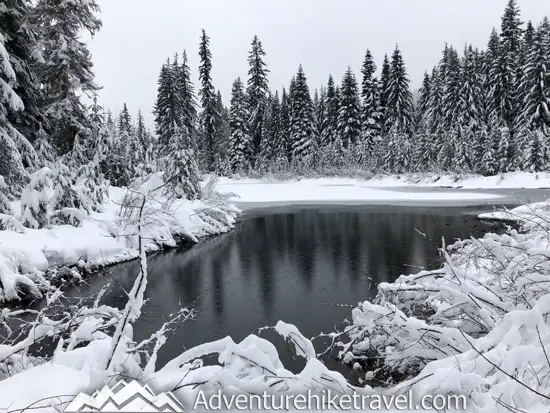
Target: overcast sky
{"type": "Point", "coordinates": [325, 36]}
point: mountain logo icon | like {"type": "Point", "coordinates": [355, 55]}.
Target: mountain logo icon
{"type": "Point", "coordinates": [125, 397]}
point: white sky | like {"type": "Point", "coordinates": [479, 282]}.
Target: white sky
{"type": "Point", "coordinates": [325, 36]}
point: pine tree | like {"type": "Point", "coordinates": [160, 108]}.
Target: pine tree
{"type": "Point", "coordinates": [35, 199]}
{"type": "Point", "coordinates": [5, 207]}
{"type": "Point", "coordinates": [166, 111]}
{"type": "Point", "coordinates": [330, 128]}
{"type": "Point", "coordinates": [371, 115]}
{"type": "Point", "coordinates": [468, 101]}
{"type": "Point", "coordinates": [221, 138]}
{"type": "Point", "coordinates": [301, 119]}
{"type": "Point", "coordinates": [284, 148]}
{"type": "Point", "coordinates": [536, 113]}
{"type": "Point", "coordinates": [65, 204]}
{"type": "Point", "coordinates": [188, 105]}
{"type": "Point", "coordinates": [19, 41]}
{"type": "Point", "coordinates": [320, 110]}
{"type": "Point", "coordinates": [511, 44]}
{"type": "Point", "coordinates": [181, 166]}
{"type": "Point", "coordinates": [67, 69]}
{"type": "Point", "coordinates": [240, 142]}
{"type": "Point", "coordinates": [435, 115]}
{"type": "Point", "coordinates": [142, 139]}
{"type": "Point", "coordinates": [349, 125]}
{"type": "Point", "coordinates": [257, 91]}
{"type": "Point", "coordinates": [503, 157]}
{"type": "Point", "coordinates": [399, 103]}
{"type": "Point", "coordinates": [209, 115]}
{"type": "Point", "coordinates": [11, 162]}
{"type": "Point", "coordinates": [450, 71]}
{"type": "Point", "coordinates": [384, 90]}
{"type": "Point", "coordinates": [493, 72]}
{"type": "Point", "coordinates": [535, 153]}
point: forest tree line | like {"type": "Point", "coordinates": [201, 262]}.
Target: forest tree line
{"type": "Point", "coordinates": [481, 111]}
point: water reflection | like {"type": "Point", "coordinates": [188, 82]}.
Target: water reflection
{"type": "Point", "coordinates": [287, 265]}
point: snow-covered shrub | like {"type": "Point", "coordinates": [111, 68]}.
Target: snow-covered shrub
{"type": "Point", "coordinates": [478, 326]}
{"type": "Point", "coordinates": [90, 187]}
{"type": "Point", "coordinates": [66, 202]}
{"type": "Point", "coordinates": [35, 199]}
{"type": "Point", "coordinates": [182, 171]}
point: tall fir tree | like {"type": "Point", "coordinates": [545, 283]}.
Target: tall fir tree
{"type": "Point", "coordinates": [187, 99]}
{"type": "Point", "coordinates": [536, 109]}
{"type": "Point", "coordinates": [19, 40]}
{"type": "Point", "coordinates": [12, 170]}
{"type": "Point", "coordinates": [240, 143]}
{"type": "Point", "coordinates": [301, 119]}
{"type": "Point", "coordinates": [511, 36]}
{"type": "Point", "coordinates": [66, 70]}
{"type": "Point", "coordinates": [209, 115]}
{"type": "Point", "coordinates": [181, 165]}
{"type": "Point", "coordinates": [384, 89]}
{"type": "Point", "coordinates": [257, 90]}
{"type": "Point", "coordinates": [371, 114]}
{"type": "Point", "coordinates": [399, 111]}
{"type": "Point", "coordinates": [166, 109]}
{"type": "Point", "coordinates": [349, 124]}
{"type": "Point", "coordinates": [330, 128]}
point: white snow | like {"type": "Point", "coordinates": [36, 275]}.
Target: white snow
{"type": "Point", "coordinates": [336, 190]}
{"type": "Point", "coordinates": [102, 239]}
{"type": "Point", "coordinates": [506, 180]}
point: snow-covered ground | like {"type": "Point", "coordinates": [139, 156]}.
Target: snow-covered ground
{"type": "Point", "coordinates": [507, 180]}
{"type": "Point", "coordinates": [103, 238]}
{"type": "Point", "coordinates": [249, 192]}
{"type": "Point", "coordinates": [522, 213]}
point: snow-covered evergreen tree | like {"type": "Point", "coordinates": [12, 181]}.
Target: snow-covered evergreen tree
{"type": "Point", "coordinates": [11, 161]}
{"type": "Point", "coordinates": [166, 113]}
{"type": "Point", "coordinates": [67, 70]}
{"type": "Point", "coordinates": [188, 104]}
{"type": "Point", "coordinates": [384, 90]}
{"type": "Point", "coordinates": [349, 123]}
{"type": "Point", "coordinates": [182, 170]}
{"type": "Point", "coordinates": [5, 206]}
{"type": "Point", "coordinates": [371, 115]}
{"type": "Point", "coordinates": [536, 108]}
{"type": "Point", "coordinates": [301, 120]}
{"type": "Point", "coordinates": [209, 115]}
{"type": "Point", "coordinates": [534, 155]}
{"type": "Point", "coordinates": [399, 110]}
{"type": "Point", "coordinates": [330, 128]}
{"type": "Point", "coordinates": [20, 42]}
{"type": "Point", "coordinates": [511, 44]}
{"type": "Point", "coordinates": [66, 205]}
{"type": "Point", "coordinates": [221, 139]}
{"type": "Point", "coordinates": [257, 91]}
{"type": "Point", "coordinates": [240, 143]}
{"type": "Point", "coordinates": [284, 149]}
{"type": "Point", "coordinates": [35, 200]}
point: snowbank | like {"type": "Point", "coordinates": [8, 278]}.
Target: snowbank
{"type": "Point", "coordinates": [522, 213]}
{"type": "Point", "coordinates": [338, 190]}
{"type": "Point", "coordinates": [102, 239]}
{"type": "Point", "coordinates": [503, 181]}
{"type": "Point", "coordinates": [479, 326]}
{"type": "Point", "coordinates": [507, 180]}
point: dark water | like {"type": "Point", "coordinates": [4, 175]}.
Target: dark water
{"type": "Point", "coordinates": [292, 264]}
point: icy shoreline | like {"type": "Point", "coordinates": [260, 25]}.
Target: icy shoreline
{"type": "Point", "coordinates": [28, 256]}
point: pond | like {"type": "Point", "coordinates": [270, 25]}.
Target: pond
{"type": "Point", "coordinates": [305, 265]}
